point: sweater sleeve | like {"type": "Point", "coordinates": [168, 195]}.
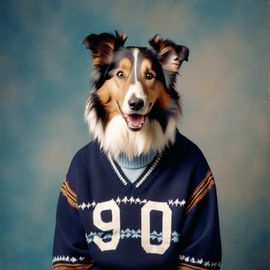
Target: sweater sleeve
{"type": "Point", "coordinates": [201, 244]}
{"type": "Point", "coordinates": [70, 250]}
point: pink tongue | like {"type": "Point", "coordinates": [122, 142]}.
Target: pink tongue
{"type": "Point", "coordinates": [135, 120]}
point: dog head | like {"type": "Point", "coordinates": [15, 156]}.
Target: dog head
{"type": "Point", "coordinates": [133, 107]}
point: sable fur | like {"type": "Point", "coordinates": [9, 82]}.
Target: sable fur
{"type": "Point", "coordinates": [103, 108]}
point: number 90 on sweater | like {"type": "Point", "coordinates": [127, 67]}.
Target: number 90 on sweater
{"type": "Point", "coordinates": [115, 226]}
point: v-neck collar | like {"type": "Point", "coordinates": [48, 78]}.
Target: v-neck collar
{"type": "Point", "coordinates": [143, 177]}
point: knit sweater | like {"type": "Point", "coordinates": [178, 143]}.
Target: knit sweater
{"type": "Point", "coordinates": [134, 167]}
{"type": "Point", "coordinates": [168, 217]}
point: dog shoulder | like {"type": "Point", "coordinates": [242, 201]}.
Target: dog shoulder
{"type": "Point", "coordinates": [79, 162]}
{"type": "Point", "coordinates": [190, 151]}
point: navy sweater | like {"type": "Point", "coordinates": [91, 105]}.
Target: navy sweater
{"type": "Point", "coordinates": [166, 218]}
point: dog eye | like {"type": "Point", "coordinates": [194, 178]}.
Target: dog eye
{"type": "Point", "coordinates": [149, 76]}
{"type": "Point", "coordinates": [120, 74]}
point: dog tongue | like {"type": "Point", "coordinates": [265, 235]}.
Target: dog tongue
{"type": "Point", "coordinates": [135, 119]}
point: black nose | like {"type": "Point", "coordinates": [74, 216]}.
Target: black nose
{"type": "Point", "coordinates": [135, 103]}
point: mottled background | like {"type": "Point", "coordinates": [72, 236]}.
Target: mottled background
{"type": "Point", "coordinates": [45, 82]}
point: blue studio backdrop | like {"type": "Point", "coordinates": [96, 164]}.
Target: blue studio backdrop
{"type": "Point", "coordinates": [45, 80]}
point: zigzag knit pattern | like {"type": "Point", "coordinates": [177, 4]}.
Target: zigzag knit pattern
{"type": "Point", "coordinates": [130, 233]}
{"type": "Point", "coordinates": [132, 200]}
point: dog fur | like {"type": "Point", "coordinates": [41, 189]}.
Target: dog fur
{"type": "Point", "coordinates": [133, 107]}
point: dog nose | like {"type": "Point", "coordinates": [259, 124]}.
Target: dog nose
{"type": "Point", "coordinates": [135, 103]}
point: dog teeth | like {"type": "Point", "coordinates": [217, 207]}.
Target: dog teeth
{"type": "Point", "coordinates": [135, 127]}
{"type": "Point", "coordinates": [134, 121]}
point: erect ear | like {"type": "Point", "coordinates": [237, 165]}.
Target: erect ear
{"type": "Point", "coordinates": [102, 46]}
{"type": "Point", "coordinates": [171, 55]}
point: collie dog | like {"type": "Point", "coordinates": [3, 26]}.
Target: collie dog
{"type": "Point", "coordinates": [133, 107]}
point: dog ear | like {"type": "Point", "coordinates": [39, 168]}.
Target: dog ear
{"type": "Point", "coordinates": [171, 55]}
{"type": "Point", "coordinates": [102, 46]}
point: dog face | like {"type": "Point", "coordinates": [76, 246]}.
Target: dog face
{"type": "Point", "coordinates": [133, 87]}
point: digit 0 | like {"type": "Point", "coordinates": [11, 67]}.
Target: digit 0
{"type": "Point", "coordinates": [166, 227]}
